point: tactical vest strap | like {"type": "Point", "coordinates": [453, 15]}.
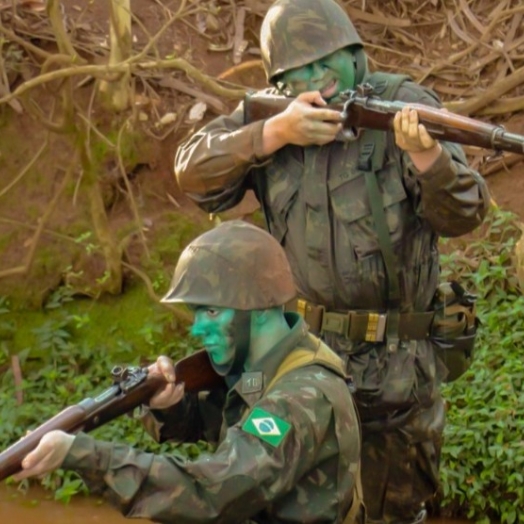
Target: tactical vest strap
{"type": "Point", "coordinates": [357, 511]}
{"type": "Point", "coordinates": [301, 357]}
{"type": "Point", "coordinates": [386, 247]}
{"type": "Point", "coordinates": [370, 160]}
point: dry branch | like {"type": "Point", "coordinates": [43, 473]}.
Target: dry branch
{"type": "Point", "coordinates": [109, 71]}
{"type": "Point", "coordinates": [18, 378]}
{"type": "Point", "coordinates": [117, 93]}
{"type": "Point", "coordinates": [26, 168]}
{"type": "Point", "coordinates": [24, 268]}
{"type": "Point", "coordinates": [473, 105]}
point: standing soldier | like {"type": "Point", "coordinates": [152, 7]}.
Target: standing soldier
{"type": "Point", "coordinates": [359, 222]}
{"type": "Point", "coordinates": [287, 429]}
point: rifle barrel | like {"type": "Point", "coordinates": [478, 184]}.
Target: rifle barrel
{"type": "Point", "coordinates": [371, 112]}
{"type": "Point", "coordinates": [11, 458]}
{"type": "Point", "coordinates": [375, 113]}
{"type": "Point", "coordinates": [135, 387]}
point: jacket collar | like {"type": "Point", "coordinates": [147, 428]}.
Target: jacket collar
{"type": "Point", "coordinates": [252, 384]}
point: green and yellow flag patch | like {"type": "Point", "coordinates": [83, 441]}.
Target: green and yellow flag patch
{"type": "Point", "coordinates": [266, 427]}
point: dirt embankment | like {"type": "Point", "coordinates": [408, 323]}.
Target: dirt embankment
{"type": "Point", "coordinates": [87, 195]}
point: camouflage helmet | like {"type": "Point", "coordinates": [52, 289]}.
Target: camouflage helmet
{"type": "Point", "coordinates": [235, 265]}
{"type": "Point", "coordinates": [297, 32]}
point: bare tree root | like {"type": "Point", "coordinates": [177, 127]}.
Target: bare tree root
{"type": "Point", "coordinates": [107, 72]}
{"type": "Point", "coordinates": [57, 22]}
{"type": "Point", "coordinates": [26, 266]}
{"type": "Point", "coordinates": [116, 95]}
{"type": "Point", "coordinates": [28, 46]}
{"type": "Point", "coordinates": [26, 168]}
{"type": "Point", "coordinates": [130, 195]}
{"type": "Point", "coordinates": [45, 231]}
{"type": "Point", "coordinates": [112, 280]}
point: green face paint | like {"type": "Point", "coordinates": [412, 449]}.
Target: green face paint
{"type": "Point", "coordinates": [330, 75]}
{"type": "Point", "coordinates": [213, 325]}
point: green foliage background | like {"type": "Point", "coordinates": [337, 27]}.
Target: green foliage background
{"type": "Point", "coordinates": [483, 454]}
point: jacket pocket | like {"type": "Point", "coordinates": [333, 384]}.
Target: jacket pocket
{"type": "Point", "coordinates": [386, 382]}
{"type": "Point", "coordinates": [352, 210]}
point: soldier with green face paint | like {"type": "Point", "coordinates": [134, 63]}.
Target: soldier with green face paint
{"type": "Point", "coordinates": [359, 222]}
{"type": "Point", "coordinates": [285, 423]}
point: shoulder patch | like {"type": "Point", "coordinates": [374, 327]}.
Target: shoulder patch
{"type": "Point", "coordinates": [266, 427]}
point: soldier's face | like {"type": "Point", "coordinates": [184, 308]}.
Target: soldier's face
{"type": "Point", "coordinates": [330, 75]}
{"type": "Point", "coordinates": [214, 327]}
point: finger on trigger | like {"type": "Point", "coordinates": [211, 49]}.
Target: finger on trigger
{"type": "Point", "coordinates": [153, 368]}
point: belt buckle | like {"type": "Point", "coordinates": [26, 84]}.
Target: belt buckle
{"type": "Point", "coordinates": [312, 314]}
{"type": "Point", "coordinates": [336, 323]}
{"type": "Point", "coordinates": [376, 327]}
{"type": "Point", "coordinates": [301, 307]}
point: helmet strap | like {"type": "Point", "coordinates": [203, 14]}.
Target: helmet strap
{"type": "Point", "coordinates": [361, 65]}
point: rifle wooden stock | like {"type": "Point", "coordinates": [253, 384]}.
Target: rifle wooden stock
{"type": "Point", "coordinates": [132, 388]}
{"type": "Point", "coordinates": [362, 111]}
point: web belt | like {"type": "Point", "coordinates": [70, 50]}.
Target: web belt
{"type": "Point", "coordinates": [361, 325]}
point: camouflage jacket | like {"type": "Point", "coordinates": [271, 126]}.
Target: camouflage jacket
{"type": "Point", "coordinates": [284, 455]}
{"type": "Point", "coordinates": [317, 205]}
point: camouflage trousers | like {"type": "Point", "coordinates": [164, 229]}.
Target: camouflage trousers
{"type": "Point", "coordinates": [402, 417]}
{"type": "Point", "coordinates": [400, 466]}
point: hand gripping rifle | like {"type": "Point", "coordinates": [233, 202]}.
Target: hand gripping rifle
{"type": "Point", "coordinates": [131, 388]}
{"type": "Point", "coordinates": [361, 109]}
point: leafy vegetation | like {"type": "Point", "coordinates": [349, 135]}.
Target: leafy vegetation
{"type": "Point", "coordinates": [63, 368]}
{"type": "Point", "coordinates": [483, 454]}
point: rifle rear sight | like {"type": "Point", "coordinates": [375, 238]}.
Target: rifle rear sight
{"type": "Point", "coordinates": [128, 378]}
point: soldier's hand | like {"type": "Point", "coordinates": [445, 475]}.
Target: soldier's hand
{"type": "Point", "coordinates": [172, 393]}
{"type": "Point", "coordinates": [410, 135]}
{"type": "Point", "coordinates": [47, 456]}
{"type": "Point", "coordinates": [306, 121]}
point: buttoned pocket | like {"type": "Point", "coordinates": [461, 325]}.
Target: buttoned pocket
{"type": "Point", "coordinates": [352, 210]}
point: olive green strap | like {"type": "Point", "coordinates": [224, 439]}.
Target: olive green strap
{"type": "Point", "coordinates": [357, 510]}
{"type": "Point", "coordinates": [370, 161]}
{"type": "Point", "coordinates": [373, 148]}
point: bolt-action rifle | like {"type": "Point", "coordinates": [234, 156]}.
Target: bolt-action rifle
{"type": "Point", "coordinates": [362, 109]}
{"type": "Point", "coordinates": [132, 387]}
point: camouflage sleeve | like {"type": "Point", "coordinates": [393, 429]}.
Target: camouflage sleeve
{"type": "Point", "coordinates": [179, 422]}
{"type": "Point", "coordinates": [451, 196]}
{"type": "Point", "coordinates": [244, 475]}
{"type": "Point", "coordinates": [211, 166]}
{"type": "Point", "coordinates": [196, 417]}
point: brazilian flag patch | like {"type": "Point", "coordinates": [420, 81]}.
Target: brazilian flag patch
{"type": "Point", "coordinates": [266, 427]}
